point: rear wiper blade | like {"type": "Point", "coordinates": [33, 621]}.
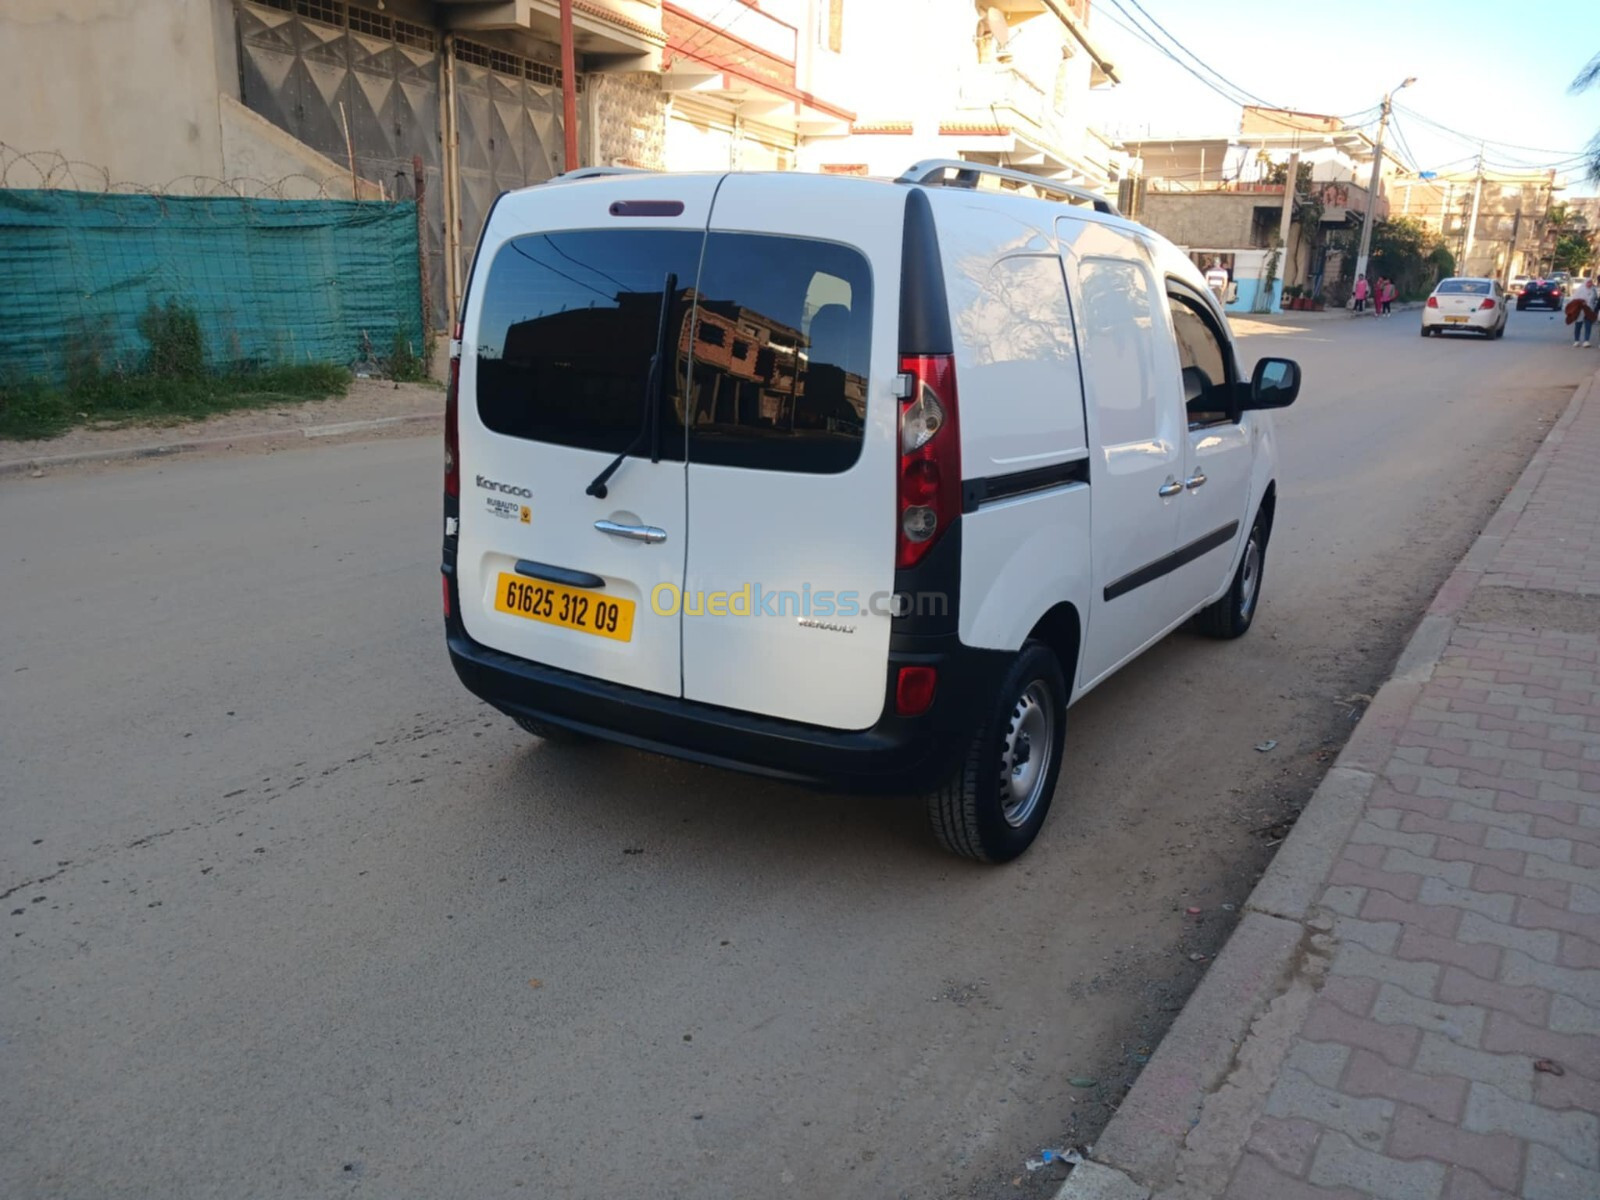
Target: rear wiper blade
{"type": "Point", "coordinates": [651, 427]}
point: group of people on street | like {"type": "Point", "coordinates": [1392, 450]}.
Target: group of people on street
{"type": "Point", "coordinates": [1381, 294]}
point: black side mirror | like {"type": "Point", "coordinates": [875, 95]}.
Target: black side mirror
{"type": "Point", "coordinates": [1274, 384]}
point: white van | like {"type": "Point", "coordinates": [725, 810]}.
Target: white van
{"type": "Point", "coordinates": [853, 482]}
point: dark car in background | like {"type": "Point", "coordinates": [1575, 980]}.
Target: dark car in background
{"type": "Point", "coordinates": [1545, 293]}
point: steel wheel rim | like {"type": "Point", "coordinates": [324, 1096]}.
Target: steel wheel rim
{"type": "Point", "coordinates": [1026, 754]}
{"type": "Point", "coordinates": [1251, 578]}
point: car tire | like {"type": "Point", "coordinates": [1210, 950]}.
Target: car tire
{"type": "Point", "coordinates": [1521, 306]}
{"type": "Point", "coordinates": [1426, 331]}
{"type": "Point", "coordinates": [556, 735]}
{"type": "Point", "coordinates": [1233, 614]}
{"type": "Point", "coordinates": [993, 804]}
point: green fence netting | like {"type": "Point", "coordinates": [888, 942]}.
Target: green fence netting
{"type": "Point", "coordinates": [272, 282]}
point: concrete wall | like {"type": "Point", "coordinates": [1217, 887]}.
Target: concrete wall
{"type": "Point", "coordinates": [128, 85]}
{"type": "Point", "coordinates": [1210, 219]}
{"type": "Point", "coordinates": [146, 90]}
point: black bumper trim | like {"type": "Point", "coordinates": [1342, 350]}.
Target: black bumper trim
{"type": "Point", "coordinates": [897, 754]}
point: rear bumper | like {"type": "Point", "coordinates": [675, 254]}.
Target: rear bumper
{"type": "Point", "coordinates": [1476, 321]}
{"type": "Point", "coordinates": [895, 755]}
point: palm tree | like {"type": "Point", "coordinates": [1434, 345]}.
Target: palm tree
{"type": "Point", "coordinates": [1587, 78]}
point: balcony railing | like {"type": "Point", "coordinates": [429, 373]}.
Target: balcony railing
{"type": "Point", "coordinates": [999, 91]}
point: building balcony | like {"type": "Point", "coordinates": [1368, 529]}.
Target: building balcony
{"type": "Point", "coordinates": [999, 97]}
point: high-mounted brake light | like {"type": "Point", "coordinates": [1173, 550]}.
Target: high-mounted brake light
{"type": "Point", "coordinates": [452, 431]}
{"type": "Point", "coordinates": [929, 492]}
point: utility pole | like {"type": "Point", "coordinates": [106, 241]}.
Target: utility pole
{"type": "Point", "coordinates": [1372, 186]}
{"type": "Point", "coordinates": [1472, 221]}
{"type": "Point", "coordinates": [569, 90]}
{"type": "Point", "coordinates": [1288, 217]}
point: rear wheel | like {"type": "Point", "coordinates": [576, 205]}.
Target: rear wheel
{"type": "Point", "coordinates": [993, 804]}
{"type": "Point", "coordinates": [1426, 331]}
{"type": "Point", "coordinates": [1231, 616]}
{"type": "Point", "coordinates": [556, 735]}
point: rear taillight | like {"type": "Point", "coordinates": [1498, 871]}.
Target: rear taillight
{"type": "Point", "coordinates": [929, 490]}
{"type": "Point", "coordinates": [1488, 303]}
{"type": "Point", "coordinates": [914, 689]}
{"type": "Point", "coordinates": [452, 431]}
{"type": "Point", "coordinates": [1433, 302]}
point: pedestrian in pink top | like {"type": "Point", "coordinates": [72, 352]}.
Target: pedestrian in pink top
{"type": "Point", "coordinates": [1360, 293]}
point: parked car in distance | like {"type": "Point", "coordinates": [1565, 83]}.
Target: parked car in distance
{"type": "Point", "coordinates": [1545, 293]}
{"type": "Point", "coordinates": [1464, 304]}
{"type": "Point", "coordinates": [843, 481]}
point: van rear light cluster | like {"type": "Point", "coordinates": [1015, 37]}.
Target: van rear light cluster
{"type": "Point", "coordinates": [452, 431]}
{"type": "Point", "coordinates": [1433, 302]}
{"type": "Point", "coordinates": [914, 689]}
{"type": "Point", "coordinates": [929, 492]}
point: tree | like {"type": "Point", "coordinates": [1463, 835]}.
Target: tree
{"type": "Point", "coordinates": [1587, 78]}
{"type": "Point", "coordinates": [1574, 251]}
{"type": "Point", "coordinates": [1404, 250]}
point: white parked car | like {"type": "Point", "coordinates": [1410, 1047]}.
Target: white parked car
{"type": "Point", "coordinates": [1466, 305]}
{"type": "Point", "coordinates": [853, 482]}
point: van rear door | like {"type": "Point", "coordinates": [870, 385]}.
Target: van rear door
{"type": "Point", "coordinates": [576, 325]}
{"type": "Point", "coordinates": [792, 444]}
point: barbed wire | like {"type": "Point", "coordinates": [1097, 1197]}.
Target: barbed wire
{"type": "Point", "coordinates": [50, 170]}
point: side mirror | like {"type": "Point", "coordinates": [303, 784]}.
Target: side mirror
{"type": "Point", "coordinates": [1274, 384]}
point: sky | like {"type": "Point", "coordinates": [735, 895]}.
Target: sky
{"type": "Point", "coordinates": [1492, 69]}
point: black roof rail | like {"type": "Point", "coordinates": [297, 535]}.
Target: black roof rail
{"type": "Point", "coordinates": [936, 172]}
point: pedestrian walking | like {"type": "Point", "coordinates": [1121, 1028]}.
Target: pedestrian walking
{"type": "Point", "coordinates": [1581, 313]}
{"type": "Point", "coordinates": [1360, 293]}
{"type": "Point", "coordinates": [1389, 292]}
{"type": "Point", "coordinates": [1217, 280]}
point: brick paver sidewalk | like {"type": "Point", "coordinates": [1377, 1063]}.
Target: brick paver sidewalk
{"type": "Point", "coordinates": [1454, 1048]}
{"type": "Point", "coordinates": [1410, 1007]}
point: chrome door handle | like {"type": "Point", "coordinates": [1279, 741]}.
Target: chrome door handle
{"type": "Point", "coordinates": [1170, 488]}
{"type": "Point", "coordinates": [648, 534]}
{"type": "Point", "coordinates": [1195, 480]}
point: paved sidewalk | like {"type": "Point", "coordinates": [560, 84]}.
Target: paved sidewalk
{"type": "Point", "coordinates": [1410, 1008]}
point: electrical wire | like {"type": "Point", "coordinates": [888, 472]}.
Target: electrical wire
{"type": "Point", "coordinates": [1474, 140]}
{"type": "Point", "coordinates": [1197, 59]}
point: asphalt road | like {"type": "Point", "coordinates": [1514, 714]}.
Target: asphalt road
{"type": "Point", "coordinates": [290, 914]}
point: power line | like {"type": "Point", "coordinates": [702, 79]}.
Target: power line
{"type": "Point", "coordinates": [1201, 62]}
{"type": "Point", "coordinates": [1473, 139]}
{"type": "Point", "coordinates": [1131, 25]}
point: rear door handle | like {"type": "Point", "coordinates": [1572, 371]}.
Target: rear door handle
{"type": "Point", "coordinates": [1170, 488]}
{"type": "Point", "coordinates": [648, 534]}
{"type": "Point", "coordinates": [1195, 480]}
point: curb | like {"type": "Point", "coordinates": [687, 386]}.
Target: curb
{"type": "Point", "coordinates": [18, 466]}
{"type": "Point", "coordinates": [1266, 970]}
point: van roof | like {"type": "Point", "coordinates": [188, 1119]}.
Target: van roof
{"type": "Point", "coordinates": [928, 173]}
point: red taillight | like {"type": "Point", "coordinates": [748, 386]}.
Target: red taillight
{"type": "Point", "coordinates": [452, 431]}
{"type": "Point", "coordinates": [930, 457]}
{"type": "Point", "coordinates": [1488, 303]}
{"type": "Point", "coordinates": [444, 580]}
{"type": "Point", "coordinates": [1433, 302]}
{"type": "Point", "coordinates": [914, 689]}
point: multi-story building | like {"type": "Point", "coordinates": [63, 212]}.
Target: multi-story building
{"type": "Point", "coordinates": [1002, 83]}
{"type": "Point", "coordinates": [1512, 207]}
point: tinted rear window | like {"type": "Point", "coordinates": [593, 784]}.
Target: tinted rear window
{"type": "Point", "coordinates": [769, 342]}
{"type": "Point", "coordinates": [1470, 287]}
{"type": "Point", "coordinates": [569, 325]}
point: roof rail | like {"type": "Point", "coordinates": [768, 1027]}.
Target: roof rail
{"type": "Point", "coordinates": [596, 172]}
{"type": "Point", "coordinates": [934, 172]}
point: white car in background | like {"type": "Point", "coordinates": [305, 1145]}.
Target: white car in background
{"type": "Point", "coordinates": [1466, 305]}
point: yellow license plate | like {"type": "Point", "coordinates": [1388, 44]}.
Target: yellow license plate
{"type": "Point", "coordinates": [1456, 320]}
{"type": "Point", "coordinates": [571, 608]}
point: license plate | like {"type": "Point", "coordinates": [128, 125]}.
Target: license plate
{"type": "Point", "coordinates": [571, 608]}
{"type": "Point", "coordinates": [1456, 320]}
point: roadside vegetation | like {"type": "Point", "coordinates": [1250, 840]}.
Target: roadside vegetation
{"type": "Point", "coordinates": [170, 384]}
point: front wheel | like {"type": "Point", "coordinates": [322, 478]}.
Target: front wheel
{"type": "Point", "coordinates": [994, 803]}
{"type": "Point", "coordinates": [1231, 616]}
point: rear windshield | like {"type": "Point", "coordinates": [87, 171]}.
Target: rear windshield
{"type": "Point", "coordinates": [766, 341]}
{"type": "Point", "coordinates": [1470, 287]}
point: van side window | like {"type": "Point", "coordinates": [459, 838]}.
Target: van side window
{"type": "Point", "coordinates": [1119, 347]}
{"type": "Point", "coordinates": [778, 380]}
{"type": "Point", "coordinates": [1207, 388]}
